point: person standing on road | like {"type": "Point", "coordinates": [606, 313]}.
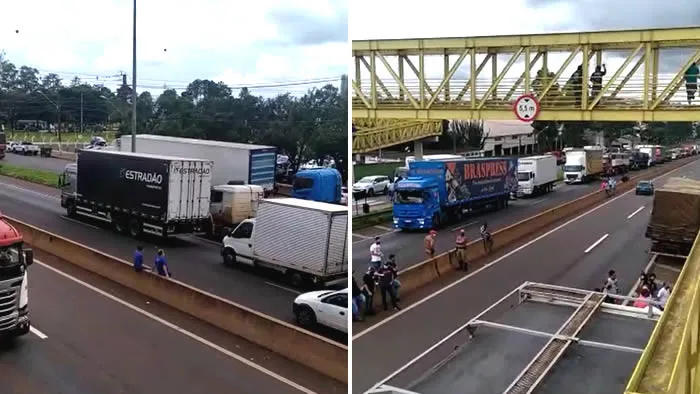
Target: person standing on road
{"type": "Point", "coordinates": [369, 281]}
{"type": "Point", "coordinates": [386, 287]}
{"type": "Point", "coordinates": [357, 300]}
{"type": "Point", "coordinates": [611, 283]}
{"type": "Point", "coordinates": [429, 244]}
{"type": "Point", "coordinates": [461, 249]}
{"type": "Point", "coordinates": [375, 253]}
{"type": "Point", "coordinates": [138, 258]}
{"type": "Point", "coordinates": [391, 263]}
{"type": "Point", "coordinates": [161, 264]}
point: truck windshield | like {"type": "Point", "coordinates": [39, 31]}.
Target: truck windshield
{"type": "Point", "coordinates": [9, 262]}
{"type": "Point", "coordinates": [409, 197]}
{"type": "Point", "coordinates": [573, 168]}
{"type": "Point", "coordinates": [523, 176]}
{"type": "Point", "coordinates": [301, 183]}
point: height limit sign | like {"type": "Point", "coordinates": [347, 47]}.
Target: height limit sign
{"type": "Point", "coordinates": [526, 108]}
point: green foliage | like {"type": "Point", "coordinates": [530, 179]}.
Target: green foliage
{"type": "Point", "coordinates": [469, 134]}
{"type": "Point", "coordinates": [313, 126]}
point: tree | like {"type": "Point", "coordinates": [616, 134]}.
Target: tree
{"type": "Point", "coordinates": [469, 133]}
{"type": "Point", "coordinates": [313, 126]}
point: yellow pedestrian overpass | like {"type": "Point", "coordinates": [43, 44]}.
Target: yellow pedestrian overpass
{"type": "Point", "coordinates": [404, 88]}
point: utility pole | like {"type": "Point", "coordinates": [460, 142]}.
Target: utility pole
{"type": "Point", "coordinates": [133, 82]}
{"type": "Point", "coordinates": [81, 112]}
{"type": "Point", "coordinates": [58, 117]}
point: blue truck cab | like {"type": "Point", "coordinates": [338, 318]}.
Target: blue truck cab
{"type": "Point", "coordinates": [318, 184]}
{"type": "Point", "coordinates": [440, 192]}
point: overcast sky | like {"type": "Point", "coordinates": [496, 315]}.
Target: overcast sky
{"type": "Point", "coordinates": [237, 42]}
{"type": "Point", "coordinates": [452, 18]}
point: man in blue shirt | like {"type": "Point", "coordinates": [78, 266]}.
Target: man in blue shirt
{"type": "Point", "coordinates": [138, 259]}
{"type": "Point", "coordinates": [162, 264]}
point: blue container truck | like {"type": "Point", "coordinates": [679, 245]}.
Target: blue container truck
{"type": "Point", "coordinates": [439, 192]}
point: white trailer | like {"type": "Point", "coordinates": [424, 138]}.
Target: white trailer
{"type": "Point", "coordinates": [582, 165]}
{"type": "Point", "coordinates": [536, 174]}
{"type": "Point", "coordinates": [233, 163]}
{"type": "Point", "coordinates": [620, 162]}
{"type": "Point", "coordinates": [649, 150]}
{"type": "Point", "coordinates": [306, 240]}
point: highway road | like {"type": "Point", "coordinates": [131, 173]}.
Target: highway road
{"type": "Point", "coordinates": [40, 163]}
{"type": "Point", "coordinates": [408, 246]}
{"type": "Point", "coordinates": [193, 260]}
{"type": "Point", "coordinates": [577, 253]}
{"type": "Point", "coordinates": [88, 342]}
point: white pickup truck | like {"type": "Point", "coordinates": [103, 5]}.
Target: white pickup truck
{"type": "Point", "coordinates": [24, 148]}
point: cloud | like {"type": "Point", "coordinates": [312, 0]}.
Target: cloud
{"type": "Point", "coordinates": [178, 40]}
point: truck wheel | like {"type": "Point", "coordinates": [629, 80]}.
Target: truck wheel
{"type": "Point", "coordinates": [229, 257]}
{"type": "Point", "coordinates": [71, 210]}
{"type": "Point", "coordinates": [120, 226]}
{"type": "Point", "coordinates": [436, 220]}
{"type": "Point", "coordinates": [296, 279]}
{"type": "Point", "coordinates": [135, 228]}
{"type": "Point", "coordinates": [306, 317]}
{"type": "Point", "coordinates": [370, 192]}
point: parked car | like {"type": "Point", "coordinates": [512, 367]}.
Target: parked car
{"type": "Point", "coordinates": [371, 185]}
{"type": "Point", "coordinates": [343, 195]}
{"type": "Point", "coordinates": [328, 308]}
{"type": "Point", "coordinates": [645, 188]}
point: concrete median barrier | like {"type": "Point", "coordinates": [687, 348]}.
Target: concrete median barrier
{"type": "Point", "coordinates": [419, 275]}
{"type": "Point", "coordinates": [303, 347]}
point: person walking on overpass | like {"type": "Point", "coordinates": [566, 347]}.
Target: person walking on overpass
{"type": "Point", "coordinates": [429, 244]}
{"type": "Point", "coordinates": [461, 250]}
{"type": "Point", "coordinates": [597, 80]}
{"type": "Point", "coordinates": [375, 254]}
{"type": "Point", "coordinates": [691, 81]}
{"type": "Point", "coordinates": [138, 258]}
{"type": "Point", "coordinates": [161, 264]}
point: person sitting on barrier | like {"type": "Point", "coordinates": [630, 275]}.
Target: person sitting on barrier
{"type": "Point", "coordinates": [663, 294]}
{"type": "Point", "coordinates": [161, 264]}
{"type": "Point", "coordinates": [138, 258]}
{"type": "Point", "coordinates": [429, 244]}
{"type": "Point", "coordinates": [391, 263]}
{"type": "Point", "coordinates": [643, 300]}
{"type": "Point", "coordinates": [461, 250]}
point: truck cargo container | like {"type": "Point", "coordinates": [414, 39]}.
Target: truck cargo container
{"type": "Point", "coordinates": [675, 217]}
{"type": "Point", "coordinates": [639, 160]}
{"type": "Point", "coordinates": [136, 192]}
{"type": "Point", "coordinates": [306, 240]}
{"type": "Point", "coordinates": [583, 165]}
{"type": "Point", "coordinates": [14, 286]}
{"type": "Point", "coordinates": [650, 151]}
{"type": "Point", "coordinates": [438, 192]}
{"type": "Point", "coordinates": [233, 163]}
{"type": "Point", "coordinates": [536, 174]}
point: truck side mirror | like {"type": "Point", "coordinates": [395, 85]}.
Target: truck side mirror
{"type": "Point", "coordinates": [28, 257]}
{"type": "Point", "coordinates": [60, 180]}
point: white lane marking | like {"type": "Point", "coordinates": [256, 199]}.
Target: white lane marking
{"type": "Point", "coordinates": [79, 222]}
{"type": "Point", "coordinates": [635, 212]}
{"type": "Point", "coordinates": [36, 332]}
{"type": "Point", "coordinates": [668, 267]}
{"type": "Point", "coordinates": [11, 186]}
{"type": "Point", "coordinates": [283, 287]}
{"type": "Point", "coordinates": [638, 282]}
{"type": "Point", "coordinates": [387, 229]}
{"type": "Point", "coordinates": [181, 330]}
{"type": "Point", "coordinates": [498, 260]}
{"type": "Point", "coordinates": [538, 201]}
{"type": "Point", "coordinates": [463, 226]}
{"type": "Point", "coordinates": [362, 237]}
{"type": "Point", "coordinates": [377, 235]}
{"type": "Point", "coordinates": [596, 243]}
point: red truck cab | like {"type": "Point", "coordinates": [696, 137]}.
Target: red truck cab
{"type": "Point", "coordinates": [14, 296]}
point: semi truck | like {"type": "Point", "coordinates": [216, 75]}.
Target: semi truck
{"type": "Point", "coordinates": [536, 175]}
{"type": "Point", "coordinates": [305, 240]}
{"type": "Point", "coordinates": [639, 160]}
{"type": "Point", "coordinates": [318, 184]}
{"type": "Point", "coordinates": [233, 163]}
{"type": "Point", "coordinates": [139, 193]}
{"type": "Point", "coordinates": [583, 165]}
{"type": "Point", "coordinates": [651, 152]}
{"type": "Point", "coordinates": [14, 286]}
{"type": "Point", "coordinates": [439, 192]}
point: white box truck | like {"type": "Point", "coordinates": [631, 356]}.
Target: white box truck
{"type": "Point", "coordinates": [536, 174]}
{"type": "Point", "coordinates": [233, 163]}
{"type": "Point", "coordinates": [583, 165]}
{"type": "Point", "coordinates": [306, 240]}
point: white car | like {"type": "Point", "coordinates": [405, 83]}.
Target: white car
{"type": "Point", "coordinates": [328, 308]}
{"type": "Point", "coordinates": [375, 184]}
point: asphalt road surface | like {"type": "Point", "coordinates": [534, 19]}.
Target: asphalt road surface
{"type": "Point", "coordinates": [192, 260]}
{"type": "Point", "coordinates": [87, 343]}
{"type": "Point", "coordinates": [36, 162]}
{"type": "Point", "coordinates": [408, 246]}
{"type": "Point", "coordinates": [576, 254]}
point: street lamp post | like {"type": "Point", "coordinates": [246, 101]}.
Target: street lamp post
{"type": "Point", "coordinates": [58, 118]}
{"type": "Point", "coordinates": [133, 82]}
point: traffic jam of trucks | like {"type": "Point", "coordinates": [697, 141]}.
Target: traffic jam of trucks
{"type": "Point", "coordinates": [222, 191]}
{"type": "Point", "coordinates": [442, 189]}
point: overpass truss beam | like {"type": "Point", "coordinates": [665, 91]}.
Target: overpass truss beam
{"type": "Point", "coordinates": [386, 133]}
{"type": "Point", "coordinates": [481, 77]}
